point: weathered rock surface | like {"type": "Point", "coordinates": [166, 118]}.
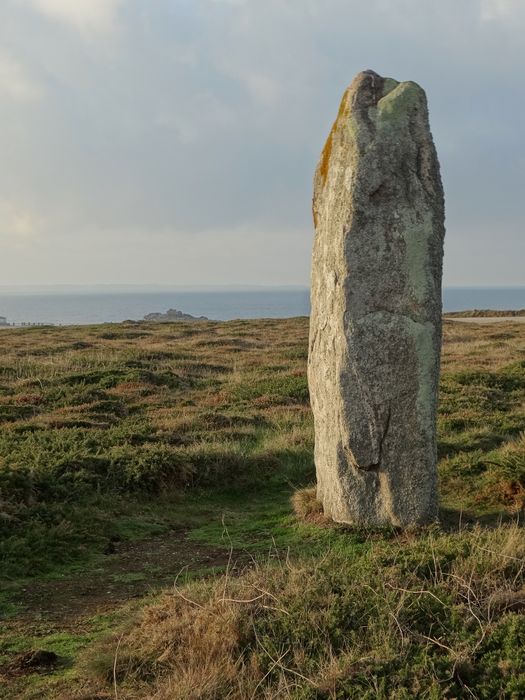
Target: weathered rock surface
{"type": "Point", "coordinates": [375, 328]}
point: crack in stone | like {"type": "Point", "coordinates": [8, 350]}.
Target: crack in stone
{"type": "Point", "coordinates": [376, 466]}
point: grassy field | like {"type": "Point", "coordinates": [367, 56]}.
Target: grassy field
{"type": "Point", "coordinates": [149, 545]}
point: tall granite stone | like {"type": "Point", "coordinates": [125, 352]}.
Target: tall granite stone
{"type": "Point", "coordinates": [375, 327]}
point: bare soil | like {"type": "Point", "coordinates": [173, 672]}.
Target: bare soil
{"type": "Point", "coordinates": [133, 570]}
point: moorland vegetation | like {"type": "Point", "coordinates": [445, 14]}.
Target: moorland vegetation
{"type": "Point", "coordinates": [160, 538]}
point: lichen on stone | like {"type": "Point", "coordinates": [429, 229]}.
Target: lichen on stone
{"type": "Point", "coordinates": [375, 332]}
{"type": "Point", "coordinates": [342, 115]}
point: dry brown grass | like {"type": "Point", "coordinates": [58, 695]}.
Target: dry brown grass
{"type": "Point", "coordinates": [487, 347]}
{"type": "Point", "coordinates": [128, 410]}
{"type": "Point", "coordinates": [308, 509]}
{"type": "Point", "coordinates": [315, 628]}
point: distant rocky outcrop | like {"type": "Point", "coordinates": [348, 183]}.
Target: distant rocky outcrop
{"type": "Point", "coordinates": [172, 315]}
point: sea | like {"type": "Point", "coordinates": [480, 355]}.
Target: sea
{"type": "Point", "coordinates": [108, 304]}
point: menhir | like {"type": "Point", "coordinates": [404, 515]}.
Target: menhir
{"type": "Point", "coordinates": [375, 328]}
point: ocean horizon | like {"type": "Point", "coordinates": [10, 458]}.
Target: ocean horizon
{"type": "Point", "coordinates": [83, 305]}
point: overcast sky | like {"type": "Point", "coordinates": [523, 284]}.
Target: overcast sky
{"type": "Point", "coordinates": [174, 141]}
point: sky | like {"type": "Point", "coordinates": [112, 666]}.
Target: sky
{"type": "Point", "coordinates": [174, 141]}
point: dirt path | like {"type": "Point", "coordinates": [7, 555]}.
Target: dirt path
{"type": "Point", "coordinates": [132, 570]}
{"type": "Point", "coordinates": [65, 610]}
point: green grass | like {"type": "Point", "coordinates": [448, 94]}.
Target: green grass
{"type": "Point", "coordinates": [429, 615]}
{"type": "Point", "coordinates": [129, 434]}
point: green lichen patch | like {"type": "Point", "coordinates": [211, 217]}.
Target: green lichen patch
{"type": "Point", "coordinates": [399, 103]}
{"type": "Point", "coordinates": [389, 85]}
{"type": "Point", "coordinates": [416, 236]}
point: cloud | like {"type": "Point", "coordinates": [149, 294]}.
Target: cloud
{"type": "Point", "coordinates": [501, 9]}
{"type": "Point", "coordinates": [200, 114]}
{"type": "Point", "coordinates": [165, 256]}
{"type": "Point", "coordinates": [84, 15]}
{"type": "Point", "coordinates": [263, 89]}
{"type": "Point", "coordinates": [15, 82]}
{"type": "Point", "coordinates": [195, 134]}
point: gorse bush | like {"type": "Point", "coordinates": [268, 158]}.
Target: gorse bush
{"type": "Point", "coordinates": [171, 407]}
{"type": "Point", "coordinates": [139, 412]}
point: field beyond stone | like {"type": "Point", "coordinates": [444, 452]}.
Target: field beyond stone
{"type": "Point", "coordinates": [149, 542]}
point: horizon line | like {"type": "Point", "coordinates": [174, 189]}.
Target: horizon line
{"type": "Point", "coordinates": [206, 287]}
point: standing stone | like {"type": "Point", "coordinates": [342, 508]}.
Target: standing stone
{"type": "Point", "coordinates": [375, 327]}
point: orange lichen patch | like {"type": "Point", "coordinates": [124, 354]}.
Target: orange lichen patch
{"type": "Point", "coordinates": [325, 155]}
{"type": "Point", "coordinates": [324, 163]}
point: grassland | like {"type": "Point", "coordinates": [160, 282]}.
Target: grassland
{"type": "Point", "coordinates": [135, 456]}
{"type": "Point", "coordinates": [482, 313]}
